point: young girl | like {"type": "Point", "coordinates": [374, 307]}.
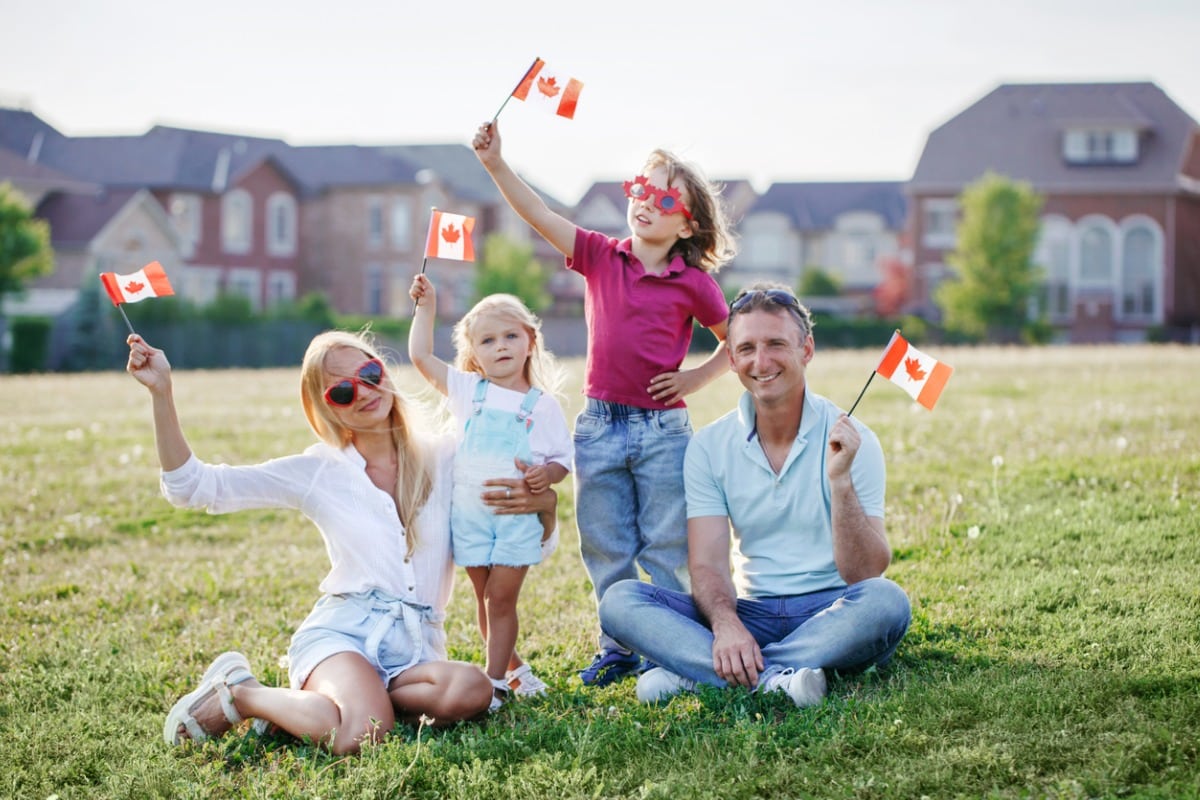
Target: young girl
{"type": "Point", "coordinates": [500, 392]}
{"type": "Point", "coordinates": [641, 298]}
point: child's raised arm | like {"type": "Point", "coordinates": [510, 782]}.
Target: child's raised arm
{"type": "Point", "coordinates": [554, 228]}
{"type": "Point", "coordinates": [420, 335]}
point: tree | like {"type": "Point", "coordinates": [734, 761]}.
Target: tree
{"type": "Point", "coordinates": [25, 251]}
{"type": "Point", "coordinates": [996, 276]}
{"type": "Point", "coordinates": [510, 267]}
{"type": "Point", "coordinates": [816, 282]}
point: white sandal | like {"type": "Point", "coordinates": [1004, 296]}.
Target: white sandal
{"type": "Point", "coordinates": [226, 670]}
{"type": "Point", "coordinates": [500, 693]}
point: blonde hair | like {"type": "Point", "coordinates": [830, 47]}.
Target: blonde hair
{"type": "Point", "coordinates": [541, 368]}
{"type": "Point", "coordinates": [413, 479]}
{"type": "Point", "coordinates": [712, 243]}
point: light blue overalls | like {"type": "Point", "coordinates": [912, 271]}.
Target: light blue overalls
{"type": "Point", "coordinates": [491, 440]}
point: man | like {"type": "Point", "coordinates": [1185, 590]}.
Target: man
{"type": "Point", "coordinates": [802, 486]}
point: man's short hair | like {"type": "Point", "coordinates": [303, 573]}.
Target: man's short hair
{"type": "Point", "coordinates": [772, 297]}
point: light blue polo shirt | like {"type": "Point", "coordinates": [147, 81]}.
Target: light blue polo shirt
{"type": "Point", "coordinates": [782, 533]}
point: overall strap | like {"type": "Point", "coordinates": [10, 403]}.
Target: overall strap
{"type": "Point", "coordinates": [480, 395]}
{"type": "Point", "coordinates": [531, 398]}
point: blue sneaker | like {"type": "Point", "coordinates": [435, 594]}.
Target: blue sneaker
{"type": "Point", "coordinates": [610, 666]}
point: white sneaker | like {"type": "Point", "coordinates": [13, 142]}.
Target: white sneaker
{"type": "Point", "coordinates": [658, 684]}
{"type": "Point", "coordinates": [522, 681]}
{"type": "Point", "coordinates": [805, 686]}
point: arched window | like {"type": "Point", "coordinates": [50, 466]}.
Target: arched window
{"type": "Point", "coordinates": [1140, 268]}
{"type": "Point", "coordinates": [237, 222]}
{"type": "Point", "coordinates": [1053, 255]}
{"type": "Point", "coordinates": [1095, 256]}
{"type": "Point", "coordinates": [281, 224]}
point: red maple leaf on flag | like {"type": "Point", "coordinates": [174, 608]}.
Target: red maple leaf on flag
{"type": "Point", "coordinates": [913, 367]}
{"type": "Point", "coordinates": [450, 234]}
{"type": "Point", "coordinates": [548, 86]}
{"type": "Point", "coordinates": [133, 287]}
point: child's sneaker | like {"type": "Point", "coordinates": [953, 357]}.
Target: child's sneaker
{"type": "Point", "coordinates": [805, 686]}
{"type": "Point", "coordinates": [522, 681]}
{"type": "Point", "coordinates": [500, 694]}
{"type": "Point", "coordinates": [610, 666]}
{"type": "Point", "coordinates": [658, 684]}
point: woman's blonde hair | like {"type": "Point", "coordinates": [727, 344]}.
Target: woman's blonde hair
{"type": "Point", "coordinates": [413, 480]}
{"type": "Point", "coordinates": [712, 243]}
{"type": "Point", "coordinates": [541, 368]}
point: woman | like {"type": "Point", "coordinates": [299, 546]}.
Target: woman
{"type": "Point", "coordinates": [373, 649]}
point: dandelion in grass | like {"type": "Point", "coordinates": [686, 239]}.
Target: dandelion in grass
{"type": "Point", "coordinates": [973, 532]}
{"type": "Point", "coordinates": [997, 464]}
{"type": "Point", "coordinates": [1122, 443]}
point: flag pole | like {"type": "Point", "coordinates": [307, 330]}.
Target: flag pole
{"type": "Point", "coordinates": [860, 394]}
{"type": "Point", "coordinates": [128, 324]}
{"type": "Point", "coordinates": [868, 383]}
{"type": "Point", "coordinates": [428, 234]}
{"type": "Point", "coordinates": [524, 75]}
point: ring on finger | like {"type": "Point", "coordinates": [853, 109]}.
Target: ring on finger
{"type": "Point", "coordinates": [508, 492]}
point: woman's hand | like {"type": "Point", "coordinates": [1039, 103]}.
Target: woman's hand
{"type": "Point", "coordinates": [512, 496]}
{"type": "Point", "coordinates": [148, 365]}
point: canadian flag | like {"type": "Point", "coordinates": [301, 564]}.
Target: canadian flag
{"type": "Point", "coordinates": [549, 90]}
{"type": "Point", "coordinates": [450, 237]}
{"type": "Point", "coordinates": [922, 376]}
{"type": "Point", "coordinates": [149, 281]}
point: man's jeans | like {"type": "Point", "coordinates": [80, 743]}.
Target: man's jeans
{"type": "Point", "coordinates": [629, 500]}
{"type": "Point", "coordinates": [847, 629]}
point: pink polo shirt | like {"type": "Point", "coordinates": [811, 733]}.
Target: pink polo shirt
{"type": "Point", "coordinates": [639, 324]}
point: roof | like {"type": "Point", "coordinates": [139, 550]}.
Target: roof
{"type": "Point", "coordinates": [20, 130]}
{"type": "Point", "coordinates": [77, 218]}
{"type": "Point", "coordinates": [1016, 130]}
{"type": "Point", "coordinates": [816, 206]}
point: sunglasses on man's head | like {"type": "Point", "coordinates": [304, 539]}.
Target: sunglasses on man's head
{"type": "Point", "coordinates": [668, 201]}
{"type": "Point", "coordinates": [345, 391]}
{"type": "Point", "coordinates": [780, 297]}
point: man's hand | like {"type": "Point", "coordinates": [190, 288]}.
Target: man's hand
{"type": "Point", "coordinates": [736, 656]}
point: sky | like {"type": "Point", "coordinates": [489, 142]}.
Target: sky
{"type": "Point", "coordinates": [763, 90]}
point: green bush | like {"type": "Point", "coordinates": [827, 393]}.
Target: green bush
{"type": "Point", "coordinates": [30, 343]}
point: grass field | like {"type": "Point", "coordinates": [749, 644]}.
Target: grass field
{"type": "Point", "coordinates": [1044, 520]}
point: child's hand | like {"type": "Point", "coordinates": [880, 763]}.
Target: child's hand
{"type": "Point", "coordinates": [669, 388]}
{"type": "Point", "coordinates": [537, 479]}
{"type": "Point", "coordinates": [148, 365]}
{"type": "Point", "coordinates": [422, 289]}
{"type": "Point", "coordinates": [487, 144]}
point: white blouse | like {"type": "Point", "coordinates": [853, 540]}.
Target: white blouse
{"type": "Point", "coordinates": [358, 522]}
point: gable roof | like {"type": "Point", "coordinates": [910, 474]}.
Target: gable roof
{"type": "Point", "coordinates": [816, 206]}
{"type": "Point", "coordinates": [1017, 129]}
{"type": "Point", "coordinates": [76, 218]}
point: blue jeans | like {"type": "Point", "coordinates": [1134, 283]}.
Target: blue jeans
{"type": "Point", "coordinates": [629, 503]}
{"type": "Point", "coordinates": [846, 629]}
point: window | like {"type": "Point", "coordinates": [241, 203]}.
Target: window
{"type": "Point", "coordinates": [402, 227]}
{"type": "Point", "coordinates": [1139, 272]}
{"type": "Point", "coordinates": [940, 218]}
{"type": "Point", "coordinates": [281, 224]}
{"type": "Point", "coordinates": [1053, 255]}
{"type": "Point", "coordinates": [247, 283]}
{"type": "Point", "coordinates": [374, 289]}
{"type": "Point", "coordinates": [1095, 256]}
{"type": "Point", "coordinates": [185, 213]}
{"type": "Point", "coordinates": [1100, 146]}
{"type": "Point", "coordinates": [374, 222]}
{"type": "Point", "coordinates": [237, 219]}
{"type": "Point", "coordinates": [281, 287]}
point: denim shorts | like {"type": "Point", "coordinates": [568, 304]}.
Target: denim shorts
{"type": "Point", "coordinates": [389, 633]}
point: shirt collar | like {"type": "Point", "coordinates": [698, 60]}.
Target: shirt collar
{"type": "Point", "coordinates": [748, 415]}
{"type": "Point", "coordinates": [625, 248]}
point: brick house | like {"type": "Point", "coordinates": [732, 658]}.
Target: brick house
{"type": "Point", "coordinates": [1119, 167]}
{"type": "Point", "coordinates": [844, 228]}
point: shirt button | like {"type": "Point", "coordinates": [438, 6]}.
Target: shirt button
{"type": "Point", "coordinates": [411, 588]}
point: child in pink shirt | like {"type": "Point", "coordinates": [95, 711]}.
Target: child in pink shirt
{"type": "Point", "coordinates": [642, 296]}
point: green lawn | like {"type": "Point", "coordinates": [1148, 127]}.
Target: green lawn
{"type": "Point", "coordinates": [1043, 519]}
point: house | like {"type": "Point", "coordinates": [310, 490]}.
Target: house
{"type": "Point", "coordinates": [1118, 165]}
{"type": "Point", "coordinates": [844, 228]}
